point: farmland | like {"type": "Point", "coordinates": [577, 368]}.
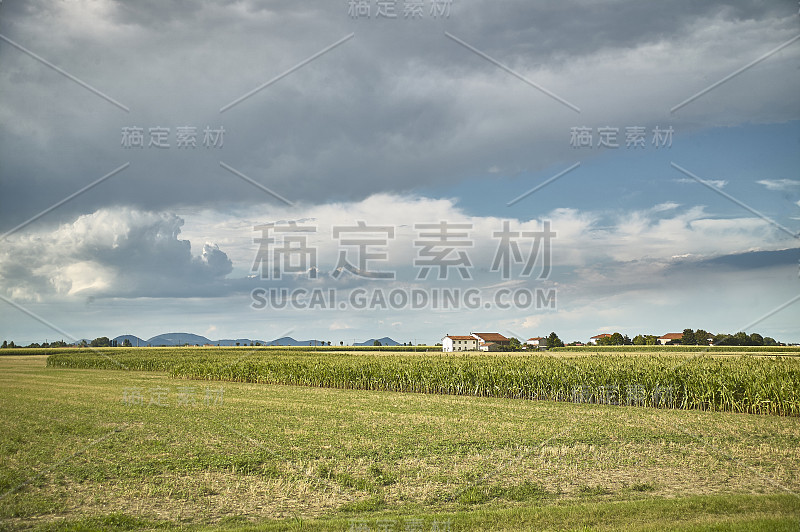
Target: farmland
{"type": "Point", "coordinates": [736, 383]}
{"type": "Point", "coordinates": [151, 439]}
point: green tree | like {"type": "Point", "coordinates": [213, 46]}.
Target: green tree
{"type": "Point", "coordinates": [617, 339]}
{"type": "Point", "coordinates": [741, 338]}
{"type": "Point", "coordinates": [554, 341]}
{"type": "Point", "coordinates": [688, 337]}
{"type": "Point", "coordinates": [639, 340]}
{"type": "Point", "coordinates": [756, 339]}
{"type": "Point", "coordinates": [5, 344]}
{"type": "Point", "coordinates": [377, 343]}
{"type": "Point", "coordinates": [126, 343]}
{"type": "Point", "coordinates": [769, 341]}
{"type": "Point", "coordinates": [605, 340]}
{"type": "Point", "coordinates": [514, 344]}
{"type": "Point", "coordinates": [701, 337]}
{"type": "Point", "coordinates": [102, 341]}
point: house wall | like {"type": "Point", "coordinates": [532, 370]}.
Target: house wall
{"type": "Point", "coordinates": [447, 345]}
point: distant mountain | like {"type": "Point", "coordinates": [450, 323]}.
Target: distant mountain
{"type": "Point", "coordinates": [384, 341]}
{"type": "Point", "coordinates": [288, 340]}
{"type": "Point", "coordinates": [240, 341]}
{"type": "Point", "coordinates": [135, 340]}
{"type": "Point", "coordinates": [177, 339]}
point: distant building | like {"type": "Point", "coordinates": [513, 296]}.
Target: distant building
{"type": "Point", "coordinates": [452, 343]}
{"type": "Point", "coordinates": [475, 341]}
{"type": "Point", "coordinates": [484, 339]}
{"type": "Point", "coordinates": [594, 339]}
{"type": "Point", "coordinates": [491, 346]}
{"type": "Point", "coordinates": [670, 338]}
{"type": "Point", "coordinates": [537, 343]}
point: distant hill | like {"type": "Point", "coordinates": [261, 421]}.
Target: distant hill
{"type": "Point", "coordinates": [177, 339]}
{"type": "Point", "coordinates": [240, 341]}
{"type": "Point", "coordinates": [384, 341]}
{"type": "Point", "coordinates": [288, 340]}
{"type": "Point", "coordinates": [135, 340]}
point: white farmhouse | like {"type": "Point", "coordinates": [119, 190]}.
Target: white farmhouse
{"type": "Point", "coordinates": [537, 342]}
{"type": "Point", "coordinates": [452, 343]}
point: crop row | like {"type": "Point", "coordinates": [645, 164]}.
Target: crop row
{"type": "Point", "coordinates": [737, 384]}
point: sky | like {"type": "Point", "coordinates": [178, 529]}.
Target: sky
{"type": "Point", "coordinates": [358, 169]}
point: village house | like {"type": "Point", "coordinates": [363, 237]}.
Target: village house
{"type": "Point", "coordinates": [670, 338]}
{"type": "Point", "coordinates": [484, 339]}
{"type": "Point", "coordinates": [491, 346]}
{"type": "Point", "coordinates": [537, 343]}
{"type": "Point", "coordinates": [593, 339]}
{"type": "Point", "coordinates": [474, 342]}
{"type": "Point", "coordinates": [452, 343]}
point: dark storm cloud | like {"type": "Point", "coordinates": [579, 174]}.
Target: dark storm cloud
{"type": "Point", "coordinates": [397, 107]}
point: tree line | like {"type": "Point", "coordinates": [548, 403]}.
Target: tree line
{"type": "Point", "coordinates": [692, 337]}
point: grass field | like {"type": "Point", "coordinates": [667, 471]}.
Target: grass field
{"type": "Point", "coordinates": [86, 449]}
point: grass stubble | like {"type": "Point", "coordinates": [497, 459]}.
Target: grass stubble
{"type": "Point", "coordinates": [75, 454]}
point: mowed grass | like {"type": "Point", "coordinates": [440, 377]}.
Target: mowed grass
{"type": "Point", "coordinates": [86, 449]}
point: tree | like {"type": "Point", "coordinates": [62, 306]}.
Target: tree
{"type": "Point", "coordinates": [639, 339]}
{"type": "Point", "coordinates": [617, 339]}
{"type": "Point", "coordinates": [723, 339]}
{"type": "Point", "coordinates": [11, 344]}
{"type": "Point", "coordinates": [605, 340]}
{"type": "Point", "coordinates": [688, 337]}
{"type": "Point", "coordinates": [701, 337]}
{"type": "Point", "coordinates": [5, 344]}
{"type": "Point", "coordinates": [554, 341]}
{"type": "Point", "coordinates": [341, 342]}
{"type": "Point", "coordinates": [514, 344]}
{"type": "Point", "coordinates": [377, 343]}
{"type": "Point", "coordinates": [126, 343]}
{"type": "Point", "coordinates": [769, 341]}
{"type": "Point", "coordinates": [102, 341]}
{"type": "Point", "coordinates": [741, 338]}
{"type": "Point", "coordinates": [756, 339]}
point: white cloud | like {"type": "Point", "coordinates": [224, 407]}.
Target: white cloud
{"type": "Point", "coordinates": [128, 253]}
{"type": "Point", "coordinates": [719, 183]}
{"type": "Point", "coordinates": [779, 184]}
{"type": "Point", "coordinates": [111, 252]}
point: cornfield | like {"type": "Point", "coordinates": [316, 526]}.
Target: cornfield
{"type": "Point", "coordinates": [759, 385]}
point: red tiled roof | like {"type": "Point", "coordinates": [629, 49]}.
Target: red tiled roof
{"type": "Point", "coordinates": [671, 336]}
{"type": "Point", "coordinates": [604, 335]}
{"type": "Point", "coordinates": [537, 338]}
{"type": "Point", "coordinates": [452, 337]}
{"type": "Point", "coordinates": [491, 337]}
